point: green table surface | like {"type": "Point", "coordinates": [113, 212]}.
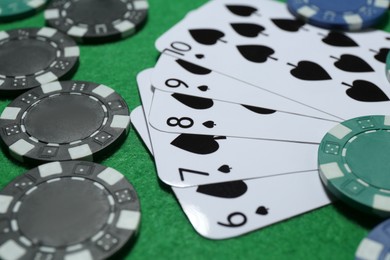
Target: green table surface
{"type": "Point", "coordinates": [332, 232]}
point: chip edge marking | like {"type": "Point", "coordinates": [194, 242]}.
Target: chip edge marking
{"type": "Point", "coordinates": [10, 250]}
{"type": "Point", "coordinates": [129, 220]}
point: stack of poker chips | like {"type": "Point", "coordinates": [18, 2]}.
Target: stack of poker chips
{"type": "Point", "coordinates": [67, 207]}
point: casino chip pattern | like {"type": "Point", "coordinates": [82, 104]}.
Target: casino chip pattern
{"type": "Point", "coordinates": [92, 21]}
{"type": "Point", "coordinates": [67, 210]}
{"type": "Point", "coordinates": [349, 15]}
{"type": "Point", "coordinates": [353, 163]}
{"type": "Point", "coordinates": [66, 120]}
{"type": "Point", "coordinates": [31, 57]}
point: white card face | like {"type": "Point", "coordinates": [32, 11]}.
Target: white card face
{"type": "Point", "coordinates": [139, 122]}
{"type": "Point", "coordinates": [184, 160]}
{"type": "Point", "coordinates": [226, 210]}
{"type": "Point", "coordinates": [177, 113]}
{"type": "Point", "coordinates": [176, 75]}
{"type": "Point", "coordinates": [341, 74]}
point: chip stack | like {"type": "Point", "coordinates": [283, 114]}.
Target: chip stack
{"type": "Point", "coordinates": [67, 207]}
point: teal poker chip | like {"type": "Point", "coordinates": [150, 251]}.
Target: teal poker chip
{"type": "Point", "coordinates": [376, 245]}
{"type": "Point", "coordinates": [354, 163]}
{"type": "Point", "coordinates": [11, 10]}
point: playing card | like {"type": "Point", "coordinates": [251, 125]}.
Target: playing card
{"type": "Point", "coordinates": [184, 160]}
{"type": "Point", "coordinates": [177, 75]}
{"type": "Point", "coordinates": [178, 113]}
{"type": "Point", "coordinates": [232, 219]}
{"type": "Point", "coordinates": [138, 120]}
{"type": "Point", "coordinates": [228, 209]}
{"type": "Point", "coordinates": [342, 74]}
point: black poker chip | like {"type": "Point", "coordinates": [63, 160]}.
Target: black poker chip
{"type": "Point", "coordinates": [97, 21]}
{"type": "Point", "coordinates": [68, 210]}
{"type": "Point", "coordinates": [31, 57]}
{"type": "Point", "coordinates": [68, 120]}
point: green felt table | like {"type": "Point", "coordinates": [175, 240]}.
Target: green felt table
{"type": "Point", "coordinates": [332, 232]}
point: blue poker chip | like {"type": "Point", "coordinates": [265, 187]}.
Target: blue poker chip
{"type": "Point", "coordinates": [376, 245]}
{"type": "Point", "coordinates": [349, 15]}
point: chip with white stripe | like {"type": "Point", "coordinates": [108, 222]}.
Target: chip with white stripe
{"type": "Point", "coordinates": [354, 163]}
{"type": "Point", "coordinates": [65, 120]}
{"type": "Point", "coordinates": [376, 245]}
{"type": "Point", "coordinates": [91, 21]}
{"type": "Point", "coordinates": [67, 210]}
{"type": "Point", "coordinates": [31, 57]}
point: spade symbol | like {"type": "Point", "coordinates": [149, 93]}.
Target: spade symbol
{"type": "Point", "coordinates": [228, 190]}
{"type": "Point", "coordinates": [193, 101]}
{"type": "Point", "coordinates": [289, 25]}
{"type": "Point", "coordinates": [248, 29]}
{"type": "Point", "coordinates": [203, 88]}
{"type": "Point", "coordinates": [195, 69]}
{"type": "Point", "coordinates": [339, 39]}
{"type": "Point", "coordinates": [351, 63]}
{"type": "Point", "coordinates": [241, 10]}
{"type": "Point", "coordinates": [256, 53]}
{"type": "Point", "coordinates": [199, 144]}
{"type": "Point", "coordinates": [262, 211]}
{"type": "Point", "coordinates": [365, 91]}
{"type": "Point", "coordinates": [381, 55]}
{"type": "Point", "coordinates": [259, 110]}
{"type": "Point", "coordinates": [307, 70]}
{"type": "Point", "coordinates": [209, 124]}
{"type": "Point", "coordinates": [207, 36]}
{"type": "Point", "coordinates": [224, 168]}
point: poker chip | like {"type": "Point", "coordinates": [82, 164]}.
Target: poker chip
{"type": "Point", "coordinates": [66, 120]}
{"type": "Point", "coordinates": [354, 163]}
{"type": "Point", "coordinates": [67, 210]}
{"type": "Point", "coordinates": [91, 21]}
{"type": "Point", "coordinates": [31, 57]}
{"type": "Point", "coordinates": [333, 14]}
{"type": "Point", "coordinates": [11, 10]}
{"type": "Point", "coordinates": [376, 245]}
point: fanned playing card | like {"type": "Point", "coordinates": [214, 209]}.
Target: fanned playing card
{"type": "Point", "coordinates": [179, 76]}
{"type": "Point", "coordinates": [338, 73]}
{"type": "Point", "coordinates": [184, 160]}
{"type": "Point", "coordinates": [229, 209]}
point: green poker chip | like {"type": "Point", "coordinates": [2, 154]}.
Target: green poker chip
{"type": "Point", "coordinates": [11, 10]}
{"type": "Point", "coordinates": [354, 163]}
